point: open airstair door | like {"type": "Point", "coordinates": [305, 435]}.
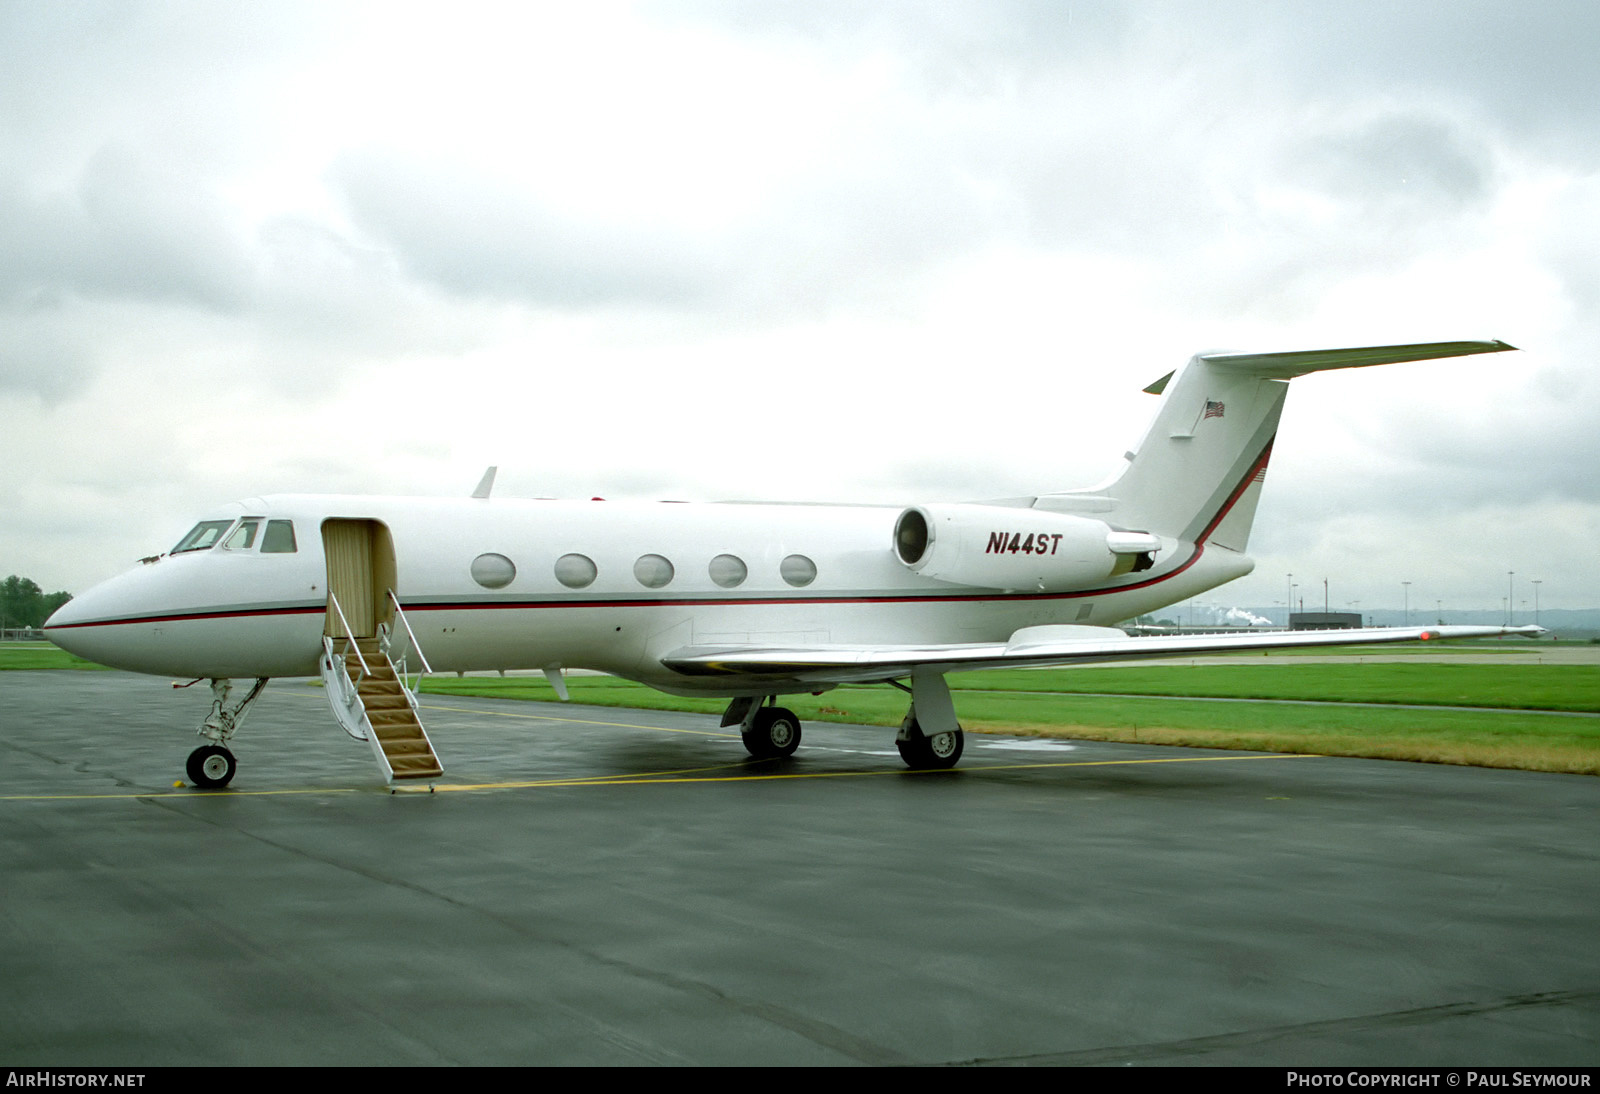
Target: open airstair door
{"type": "Point", "coordinates": [369, 698]}
{"type": "Point", "coordinates": [361, 566]}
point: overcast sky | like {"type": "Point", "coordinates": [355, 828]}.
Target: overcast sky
{"type": "Point", "coordinates": [899, 252]}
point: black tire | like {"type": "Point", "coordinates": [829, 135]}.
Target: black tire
{"type": "Point", "coordinates": [774, 734]}
{"type": "Point", "coordinates": [936, 753]}
{"type": "Point", "coordinates": [211, 767]}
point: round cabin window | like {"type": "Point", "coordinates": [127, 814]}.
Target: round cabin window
{"type": "Point", "coordinates": [575, 571]}
{"type": "Point", "coordinates": [798, 570]}
{"type": "Point", "coordinates": [728, 571]}
{"type": "Point", "coordinates": [493, 571]}
{"type": "Point", "coordinates": [652, 571]}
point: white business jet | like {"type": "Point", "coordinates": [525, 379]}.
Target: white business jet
{"type": "Point", "coordinates": [743, 601]}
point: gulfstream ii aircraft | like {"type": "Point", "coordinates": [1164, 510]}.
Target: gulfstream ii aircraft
{"type": "Point", "coordinates": [744, 601]}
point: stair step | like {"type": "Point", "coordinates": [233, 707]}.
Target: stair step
{"type": "Point", "coordinates": [374, 685]}
{"type": "Point", "coordinates": [395, 728]}
{"type": "Point", "coordinates": [406, 750]}
{"type": "Point", "coordinates": [419, 771]}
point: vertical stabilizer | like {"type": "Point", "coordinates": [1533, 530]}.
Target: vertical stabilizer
{"type": "Point", "coordinates": [1197, 475]}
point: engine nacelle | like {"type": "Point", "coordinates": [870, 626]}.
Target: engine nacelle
{"type": "Point", "coordinates": [1000, 547]}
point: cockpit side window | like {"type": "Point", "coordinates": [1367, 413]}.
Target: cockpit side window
{"type": "Point", "coordinates": [203, 536]}
{"type": "Point", "coordinates": [244, 536]}
{"type": "Point", "coordinates": [279, 538]}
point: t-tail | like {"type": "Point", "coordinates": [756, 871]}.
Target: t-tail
{"type": "Point", "coordinates": [1197, 475]}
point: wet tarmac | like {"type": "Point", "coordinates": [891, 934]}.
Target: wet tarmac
{"type": "Point", "coordinates": [597, 886]}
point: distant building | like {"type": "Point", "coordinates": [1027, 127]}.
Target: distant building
{"type": "Point", "coordinates": [1324, 621]}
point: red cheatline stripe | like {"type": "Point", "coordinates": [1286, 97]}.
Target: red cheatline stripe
{"type": "Point", "coordinates": [1256, 469]}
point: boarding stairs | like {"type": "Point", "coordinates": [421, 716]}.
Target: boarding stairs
{"type": "Point", "coordinates": [372, 702]}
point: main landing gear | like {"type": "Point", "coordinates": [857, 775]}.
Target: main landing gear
{"type": "Point", "coordinates": [929, 752]}
{"type": "Point", "coordinates": [212, 766]}
{"type": "Point", "coordinates": [771, 732]}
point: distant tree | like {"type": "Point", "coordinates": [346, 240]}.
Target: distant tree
{"type": "Point", "coordinates": [24, 604]}
{"type": "Point", "coordinates": [52, 601]}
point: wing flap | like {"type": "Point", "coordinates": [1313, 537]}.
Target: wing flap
{"type": "Point", "coordinates": [1029, 647]}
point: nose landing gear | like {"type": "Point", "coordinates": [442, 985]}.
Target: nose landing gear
{"type": "Point", "coordinates": [212, 766]}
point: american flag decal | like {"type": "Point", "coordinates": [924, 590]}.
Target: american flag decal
{"type": "Point", "coordinates": [1213, 410]}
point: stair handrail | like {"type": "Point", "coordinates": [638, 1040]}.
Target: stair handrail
{"type": "Point", "coordinates": [338, 680]}
{"type": "Point", "coordinates": [400, 614]}
{"type": "Point", "coordinates": [366, 670]}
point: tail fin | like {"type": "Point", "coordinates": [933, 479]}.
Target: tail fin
{"type": "Point", "coordinates": [1197, 474]}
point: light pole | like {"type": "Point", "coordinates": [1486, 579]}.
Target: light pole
{"type": "Point", "coordinates": [1406, 585]}
{"type": "Point", "coordinates": [1536, 601]}
{"type": "Point", "coordinates": [1289, 608]}
{"type": "Point", "coordinates": [1510, 604]}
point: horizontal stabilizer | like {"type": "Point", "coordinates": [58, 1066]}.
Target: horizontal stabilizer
{"type": "Point", "coordinates": [1285, 366]}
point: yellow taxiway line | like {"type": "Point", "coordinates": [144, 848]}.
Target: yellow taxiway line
{"type": "Point", "coordinates": [655, 778]}
{"type": "Point", "coordinates": [683, 775]}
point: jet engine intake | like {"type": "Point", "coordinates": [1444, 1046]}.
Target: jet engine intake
{"type": "Point", "coordinates": [1000, 547]}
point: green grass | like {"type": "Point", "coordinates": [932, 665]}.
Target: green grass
{"type": "Point", "coordinates": [1529, 646]}
{"type": "Point", "coordinates": [40, 655]}
{"type": "Point", "coordinates": [1512, 685]}
{"type": "Point", "coordinates": [1042, 703]}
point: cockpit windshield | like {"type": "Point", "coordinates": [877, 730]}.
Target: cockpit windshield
{"type": "Point", "coordinates": [244, 536]}
{"type": "Point", "coordinates": [278, 538]}
{"type": "Point", "coordinates": [203, 536]}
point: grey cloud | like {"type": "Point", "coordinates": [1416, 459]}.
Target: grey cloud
{"type": "Point", "coordinates": [1433, 471]}
{"type": "Point", "coordinates": [41, 356]}
{"type": "Point", "coordinates": [1407, 165]}
{"type": "Point", "coordinates": [73, 64]}
{"type": "Point", "coordinates": [125, 231]}
{"type": "Point", "coordinates": [474, 236]}
{"type": "Point", "coordinates": [962, 42]}
{"type": "Point", "coordinates": [1543, 448]}
{"type": "Point", "coordinates": [1567, 244]}
{"type": "Point", "coordinates": [1527, 68]}
{"type": "Point", "coordinates": [826, 238]}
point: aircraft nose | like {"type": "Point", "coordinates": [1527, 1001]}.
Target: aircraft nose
{"type": "Point", "coordinates": [195, 616]}
{"type": "Point", "coordinates": [120, 623]}
{"type": "Point", "coordinates": [82, 626]}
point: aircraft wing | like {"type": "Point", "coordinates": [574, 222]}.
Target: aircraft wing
{"type": "Point", "coordinates": [1030, 647]}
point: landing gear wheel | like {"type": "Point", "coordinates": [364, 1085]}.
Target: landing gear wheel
{"type": "Point", "coordinates": [211, 767]}
{"type": "Point", "coordinates": [774, 734]}
{"type": "Point", "coordinates": [935, 753]}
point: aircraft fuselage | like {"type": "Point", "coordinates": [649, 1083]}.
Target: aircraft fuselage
{"type": "Point", "coordinates": [613, 586]}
